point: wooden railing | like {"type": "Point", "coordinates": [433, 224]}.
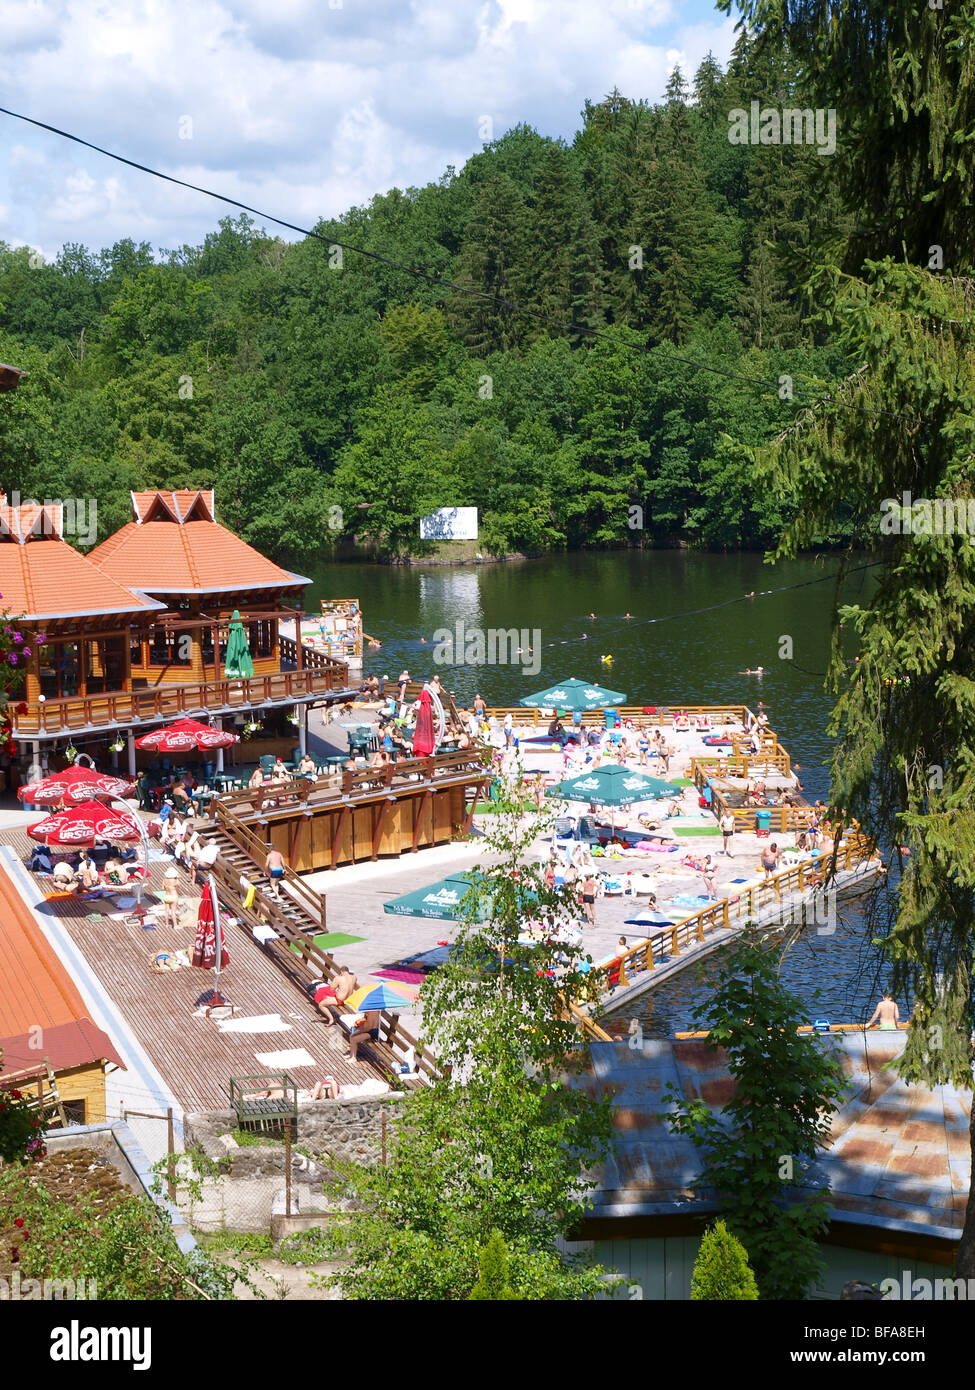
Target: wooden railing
{"type": "Point", "coordinates": [587, 1026]}
{"type": "Point", "coordinates": [314, 660]}
{"type": "Point", "coordinates": [321, 792]}
{"type": "Point", "coordinates": [726, 912]}
{"type": "Point", "coordinates": [772, 757]}
{"type": "Point", "coordinates": [663, 716]}
{"type": "Point", "coordinates": [310, 901]}
{"type": "Point", "coordinates": [121, 708]}
{"type": "Point", "coordinates": [303, 961]}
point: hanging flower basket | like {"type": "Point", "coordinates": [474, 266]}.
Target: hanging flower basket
{"type": "Point", "coordinates": [251, 728]}
{"type": "Point", "coordinates": [71, 752]}
{"type": "Point", "coordinates": [118, 745]}
{"type": "Point", "coordinates": [294, 717]}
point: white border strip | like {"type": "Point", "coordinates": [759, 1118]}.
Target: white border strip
{"type": "Point", "coordinates": [102, 1009]}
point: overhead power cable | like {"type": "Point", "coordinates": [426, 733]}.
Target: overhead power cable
{"type": "Point", "coordinates": [566, 327]}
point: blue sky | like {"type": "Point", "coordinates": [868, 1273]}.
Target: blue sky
{"type": "Point", "coordinates": [299, 107]}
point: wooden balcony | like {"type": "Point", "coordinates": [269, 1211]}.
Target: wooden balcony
{"type": "Point", "coordinates": [129, 709]}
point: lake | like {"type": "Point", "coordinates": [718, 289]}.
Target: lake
{"type": "Point", "coordinates": [676, 648]}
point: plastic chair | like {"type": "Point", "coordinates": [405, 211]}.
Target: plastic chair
{"type": "Point", "coordinates": [267, 761]}
{"type": "Point", "coordinates": [612, 718]}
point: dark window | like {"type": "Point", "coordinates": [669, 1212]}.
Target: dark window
{"type": "Point", "coordinates": [76, 1111]}
{"type": "Point", "coordinates": [59, 670]}
{"type": "Point", "coordinates": [171, 648]}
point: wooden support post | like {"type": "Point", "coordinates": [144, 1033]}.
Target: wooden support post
{"type": "Point", "coordinates": [380, 825]}
{"type": "Point", "coordinates": [287, 1166]}
{"type": "Point", "coordinates": [170, 1154]}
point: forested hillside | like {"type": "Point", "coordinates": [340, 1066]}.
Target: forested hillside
{"type": "Point", "coordinates": [322, 399]}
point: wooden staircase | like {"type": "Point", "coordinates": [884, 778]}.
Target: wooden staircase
{"type": "Point", "coordinates": [242, 855]}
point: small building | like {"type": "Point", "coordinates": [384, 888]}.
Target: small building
{"type": "Point", "coordinates": [898, 1165]}
{"type": "Point", "coordinates": [199, 573]}
{"type": "Point", "coordinates": [44, 1022]}
{"type": "Point", "coordinates": [135, 632]}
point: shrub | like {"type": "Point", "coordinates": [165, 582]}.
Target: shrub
{"type": "Point", "coordinates": [721, 1271]}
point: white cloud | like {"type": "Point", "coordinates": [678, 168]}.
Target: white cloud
{"type": "Point", "coordinates": [304, 107]}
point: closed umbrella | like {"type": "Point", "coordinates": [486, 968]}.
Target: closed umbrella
{"type": "Point", "coordinates": [205, 943]}
{"type": "Point", "coordinates": [423, 740]}
{"type": "Point", "coordinates": [73, 785]}
{"type": "Point", "coordinates": [186, 735]}
{"type": "Point", "coordinates": [574, 695]}
{"type": "Point", "coordinates": [240, 664]}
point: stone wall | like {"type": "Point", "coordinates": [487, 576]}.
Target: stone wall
{"type": "Point", "coordinates": [340, 1129]}
{"type": "Point", "coordinates": [241, 1196]}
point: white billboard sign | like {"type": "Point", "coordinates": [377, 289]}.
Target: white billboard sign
{"type": "Point", "coordinates": [450, 524]}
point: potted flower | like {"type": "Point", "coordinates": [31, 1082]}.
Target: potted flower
{"type": "Point", "coordinates": [71, 752]}
{"type": "Point", "coordinates": [294, 717]}
{"type": "Point", "coordinates": [117, 745]}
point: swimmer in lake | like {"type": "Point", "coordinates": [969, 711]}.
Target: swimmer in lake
{"type": "Point", "coordinates": [592, 617]}
{"type": "Point", "coordinates": [627, 615]}
{"type": "Point", "coordinates": [758, 671]}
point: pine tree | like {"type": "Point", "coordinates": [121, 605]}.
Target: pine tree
{"type": "Point", "coordinates": [495, 261]}
{"type": "Point", "coordinates": [721, 1271]}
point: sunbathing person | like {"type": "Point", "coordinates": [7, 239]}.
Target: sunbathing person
{"type": "Point", "coordinates": [326, 1089]}
{"type": "Point", "coordinates": [64, 875]}
{"type": "Point", "coordinates": [87, 871]}
{"type": "Point", "coordinates": [365, 1026]}
{"type": "Point", "coordinates": [334, 993]}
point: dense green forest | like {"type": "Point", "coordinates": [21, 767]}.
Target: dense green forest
{"type": "Point", "coordinates": [326, 395]}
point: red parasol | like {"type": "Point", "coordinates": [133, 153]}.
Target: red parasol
{"type": "Point", "coordinates": [74, 785]}
{"type": "Point", "coordinates": [80, 826]}
{"type": "Point", "coordinates": [205, 945]}
{"type": "Point", "coordinates": [423, 733]}
{"type": "Point", "coordinates": [186, 735]}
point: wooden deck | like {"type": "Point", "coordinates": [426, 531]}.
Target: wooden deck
{"type": "Point", "coordinates": [359, 816]}
{"type": "Point", "coordinates": [194, 1058]}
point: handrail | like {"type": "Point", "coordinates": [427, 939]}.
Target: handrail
{"type": "Point", "coordinates": [116, 708]}
{"type": "Point", "coordinates": [256, 849]}
{"type": "Point", "coordinates": [322, 792]}
{"type": "Point", "coordinates": [664, 716]}
{"type": "Point", "coordinates": [722, 913]}
{"type": "Point", "coordinates": [305, 956]}
{"type": "Point", "coordinates": [587, 1026]}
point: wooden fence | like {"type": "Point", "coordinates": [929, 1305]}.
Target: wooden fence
{"type": "Point", "coordinates": [726, 912]}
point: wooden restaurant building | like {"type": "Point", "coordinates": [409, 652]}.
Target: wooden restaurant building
{"type": "Point", "coordinates": [135, 632]}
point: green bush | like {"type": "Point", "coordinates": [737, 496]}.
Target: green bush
{"type": "Point", "coordinates": [721, 1270]}
{"type": "Point", "coordinates": [492, 1281]}
{"type": "Point", "coordinates": [21, 1129]}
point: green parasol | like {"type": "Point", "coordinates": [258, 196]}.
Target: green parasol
{"type": "Point", "coordinates": [240, 665]}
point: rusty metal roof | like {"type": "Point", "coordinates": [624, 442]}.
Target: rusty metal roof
{"type": "Point", "coordinates": [898, 1155]}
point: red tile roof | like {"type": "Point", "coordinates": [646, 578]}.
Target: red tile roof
{"type": "Point", "coordinates": [38, 993]}
{"type": "Point", "coordinates": [69, 1045]}
{"type": "Point", "coordinates": [41, 576]}
{"type": "Point", "coordinates": [176, 546]}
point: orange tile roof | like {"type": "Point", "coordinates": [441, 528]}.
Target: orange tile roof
{"type": "Point", "coordinates": [176, 546]}
{"type": "Point", "coordinates": [37, 990]}
{"type": "Point", "coordinates": [41, 576]}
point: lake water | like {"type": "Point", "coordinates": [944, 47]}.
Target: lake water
{"type": "Point", "coordinates": [677, 648]}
